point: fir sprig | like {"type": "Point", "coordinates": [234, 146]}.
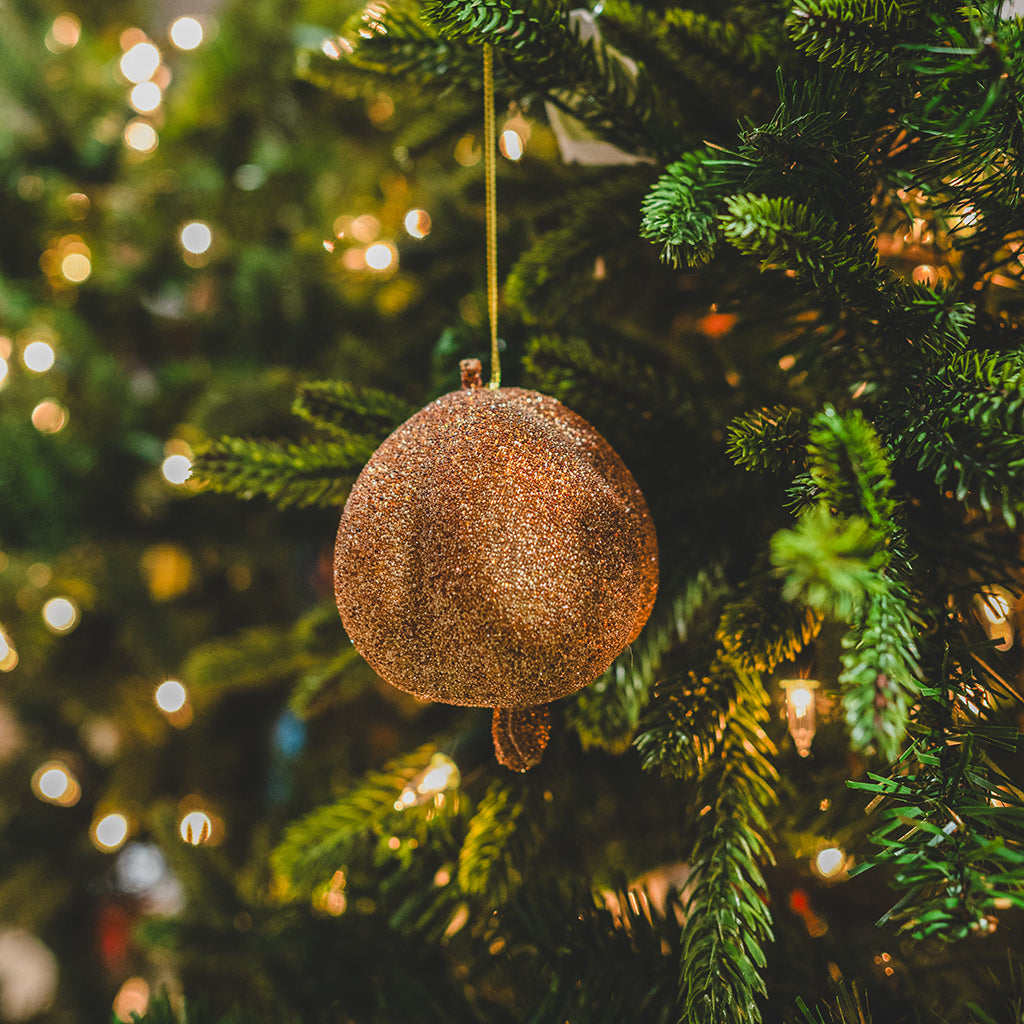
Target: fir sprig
{"type": "Point", "coordinates": [606, 713]}
{"type": "Point", "coordinates": [318, 473]}
{"type": "Point", "coordinates": [844, 559]}
{"type": "Point", "coordinates": [316, 846]}
{"type": "Point", "coordinates": [727, 922]}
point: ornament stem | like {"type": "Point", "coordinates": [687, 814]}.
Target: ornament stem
{"type": "Point", "coordinates": [491, 183]}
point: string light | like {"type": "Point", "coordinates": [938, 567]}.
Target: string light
{"type": "Point", "coordinates": [38, 356]}
{"type": "Point", "coordinates": [176, 468]}
{"type": "Point", "coordinates": [146, 97]}
{"type": "Point", "coordinates": [186, 33]}
{"type": "Point", "coordinates": [381, 256]}
{"type": "Point", "coordinates": [110, 832]}
{"type": "Point", "coordinates": [60, 614]}
{"type": "Point", "coordinates": [140, 62]}
{"type": "Point", "coordinates": [140, 136]}
{"type": "Point", "coordinates": [170, 696]}
{"type": "Point", "coordinates": [64, 34]}
{"type": "Point", "coordinates": [800, 712]}
{"type": "Point", "coordinates": [417, 223]}
{"type": "Point", "coordinates": [196, 237]}
{"type": "Point", "coordinates": [994, 607]}
{"type": "Point", "coordinates": [830, 862]}
{"type": "Point", "coordinates": [49, 416]}
{"type": "Point", "coordinates": [8, 655]}
{"type": "Point", "coordinates": [54, 783]}
{"type": "Point", "coordinates": [511, 144]}
{"type": "Point", "coordinates": [440, 774]}
{"type": "Point", "coordinates": [132, 1000]}
{"type": "Point", "coordinates": [195, 828]}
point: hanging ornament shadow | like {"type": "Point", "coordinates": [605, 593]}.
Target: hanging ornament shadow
{"type": "Point", "coordinates": [495, 552]}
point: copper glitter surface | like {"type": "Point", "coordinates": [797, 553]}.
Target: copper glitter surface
{"type": "Point", "coordinates": [494, 552]}
{"type": "Point", "coordinates": [520, 736]}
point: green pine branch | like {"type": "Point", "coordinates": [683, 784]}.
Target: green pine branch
{"type": "Point", "coordinates": [759, 629]}
{"type": "Point", "coordinates": [963, 420]}
{"type": "Point", "coordinates": [605, 714]}
{"type": "Point", "coordinates": [843, 559]}
{"type": "Point", "coordinates": [863, 35]}
{"type": "Point", "coordinates": [316, 846]}
{"type": "Point", "coordinates": [350, 411]}
{"type": "Point", "coordinates": [561, 263]}
{"type": "Point", "coordinates": [728, 923]}
{"type": "Point", "coordinates": [681, 210]}
{"type": "Point", "coordinates": [317, 473]}
{"type": "Point", "coordinates": [771, 439]}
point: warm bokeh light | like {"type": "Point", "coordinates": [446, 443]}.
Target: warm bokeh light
{"type": "Point", "coordinates": [511, 144]}
{"type": "Point", "coordinates": [830, 862]}
{"type": "Point", "coordinates": [132, 1000]}
{"type": "Point", "coordinates": [440, 774]}
{"type": "Point", "coordinates": [417, 223]}
{"type": "Point", "coordinates": [49, 416]}
{"type": "Point", "coordinates": [195, 827]}
{"type": "Point", "coordinates": [176, 469]}
{"type": "Point", "coordinates": [64, 33]}
{"type": "Point", "coordinates": [60, 614]}
{"type": "Point", "coordinates": [467, 151]}
{"type": "Point", "coordinates": [170, 696]}
{"type": "Point", "coordinates": [196, 237]}
{"type": "Point", "coordinates": [4, 371]}
{"type": "Point", "coordinates": [76, 267]}
{"type": "Point", "coordinates": [145, 97]}
{"type": "Point", "coordinates": [996, 608]}
{"type": "Point", "coordinates": [364, 228]}
{"type": "Point", "coordinates": [54, 783]}
{"type": "Point", "coordinates": [186, 33]}
{"type": "Point", "coordinates": [140, 136]}
{"type": "Point", "coordinates": [380, 256]}
{"type": "Point", "coordinates": [139, 64]}
{"type": "Point", "coordinates": [39, 356]}
{"type": "Point", "coordinates": [110, 831]}
{"type": "Point", "coordinates": [8, 655]}
{"type": "Point", "coordinates": [800, 712]}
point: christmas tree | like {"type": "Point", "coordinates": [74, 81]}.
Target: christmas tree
{"type": "Point", "coordinates": [772, 252]}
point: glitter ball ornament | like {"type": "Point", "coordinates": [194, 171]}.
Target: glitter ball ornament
{"type": "Point", "coordinates": [495, 552]}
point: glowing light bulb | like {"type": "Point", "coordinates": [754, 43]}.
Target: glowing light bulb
{"type": "Point", "coordinates": [800, 712]}
{"type": "Point", "coordinates": [146, 97]}
{"type": "Point", "coordinates": [132, 1000]}
{"type": "Point", "coordinates": [417, 223]}
{"type": "Point", "coordinates": [110, 831]}
{"type": "Point", "coordinates": [176, 469]}
{"type": "Point", "coordinates": [196, 237]}
{"type": "Point", "coordinates": [195, 828]}
{"type": "Point", "coordinates": [8, 655]}
{"type": "Point", "coordinates": [994, 607]}
{"type": "Point", "coordinates": [440, 774]}
{"type": "Point", "coordinates": [380, 256]}
{"type": "Point", "coordinates": [4, 371]}
{"type": "Point", "coordinates": [830, 862]}
{"type": "Point", "coordinates": [60, 614]}
{"type": "Point", "coordinates": [511, 144]}
{"type": "Point", "coordinates": [140, 136]}
{"type": "Point", "coordinates": [186, 33]}
{"type": "Point", "coordinates": [49, 416]}
{"type": "Point", "coordinates": [54, 783]}
{"type": "Point", "coordinates": [38, 356]}
{"type": "Point", "coordinates": [76, 267]}
{"type": "Point", "coordinates": [65, 32]}
{"type": "Point", "coordinates": [170, 696]}
{"type": "Point", "coordinates": [139, 64]}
